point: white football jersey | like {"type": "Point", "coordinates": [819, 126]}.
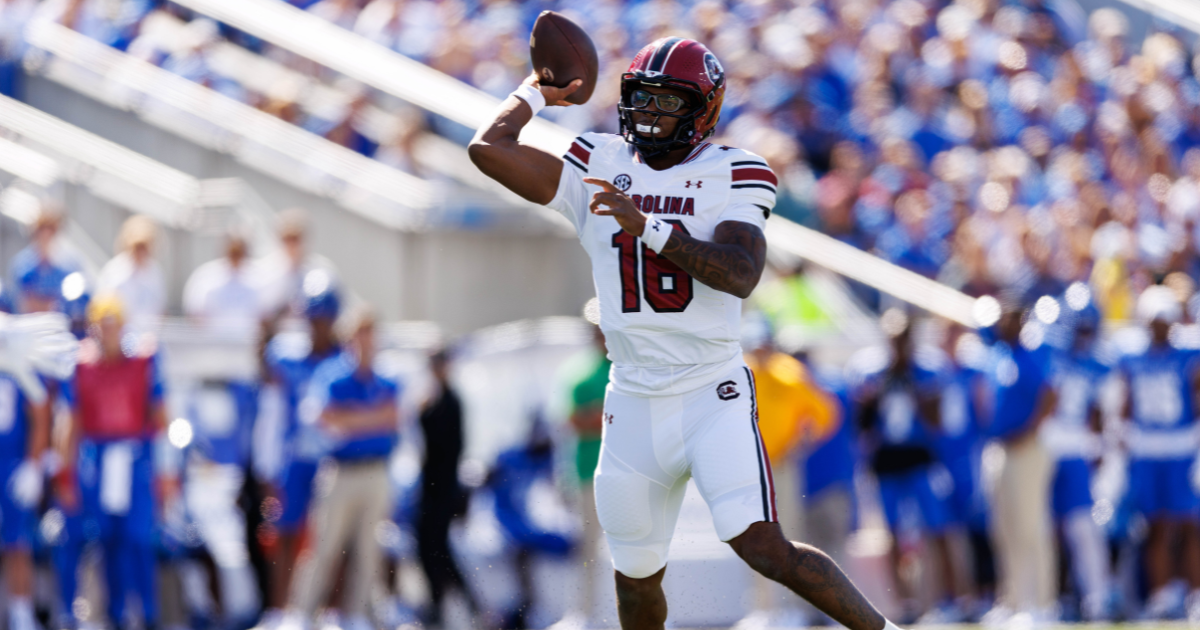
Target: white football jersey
{"type": "Point", "coordinates": [666, 332]}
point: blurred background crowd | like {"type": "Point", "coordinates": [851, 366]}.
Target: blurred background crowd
{"type": "Point", "coordinates": [1038, 468]}
{"type": "Point", "coordinates": [992, 145]}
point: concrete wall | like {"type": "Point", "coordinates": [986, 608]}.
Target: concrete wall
{"type": "Point", "coordinates": [461, 280]}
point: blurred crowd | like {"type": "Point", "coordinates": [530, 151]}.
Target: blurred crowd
{"type": "Point", "coordinates": [256, 498]}
{"type": "Point", "coordinates": [1038, 469]}
{"type": "Point", "coordinates": [996, 145]}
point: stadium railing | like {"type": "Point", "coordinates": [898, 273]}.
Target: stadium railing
{"type": "Point", "coordinates": [432, 153]}
{"type": "Point", "coordinates": [371, 189]}
{"type": "Point", "coordinates": [348, 53]}
{"type": "Point", "coordinates": [1182, 12]}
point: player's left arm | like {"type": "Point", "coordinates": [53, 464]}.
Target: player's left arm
{"type": "Point", "coordinates": [732, 262]}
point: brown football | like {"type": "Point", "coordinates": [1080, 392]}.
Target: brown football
{"type": "Point", "coordinates": [561, 52]}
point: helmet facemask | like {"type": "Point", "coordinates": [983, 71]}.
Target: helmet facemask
{"type": "Point", "coordinates": [684, 134]}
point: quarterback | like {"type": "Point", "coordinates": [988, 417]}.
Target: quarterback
{"type": "Point", "coordinates": [674, 228]}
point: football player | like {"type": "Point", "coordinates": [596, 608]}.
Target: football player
{"type": "Point", "coordinates": [1163, 379]}
{"type": "Point", "coordinates": [674, 227]}
{"type": "Point", "coordinates": [1073, 437]}
{"type": "Point", "coordinates": [291, 363]}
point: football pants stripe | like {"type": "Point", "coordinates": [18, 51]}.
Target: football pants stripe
{"type": "Point", "coordinates": [765, 479]}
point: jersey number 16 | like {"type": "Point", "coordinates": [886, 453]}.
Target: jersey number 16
{"type": "Point", "coordinates": [668, 288]}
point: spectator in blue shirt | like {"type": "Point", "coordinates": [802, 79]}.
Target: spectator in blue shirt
{"type": "Point", "coordinates": [1162, 382]}
{"type": "Point", "coordinates": [358, 410]}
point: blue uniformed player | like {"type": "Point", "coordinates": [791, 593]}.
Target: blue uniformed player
{"type": "Point", "coordinates": [291, 363]}
{"type": "Point", "coordinates": [1072, 435]}
{"type": "Point", "coordinates": [24, 436]}
{"type": "Point", "coordinates": [959, 447]}
{"type": "Point", "coordinates": [897, 392]}
{"type": "Point", "coordinates": [1162, 381]}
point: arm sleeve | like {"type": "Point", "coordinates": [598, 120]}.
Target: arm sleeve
{"type": "Point", "coordinates": [572, 198]}
{"type": "Point", "coordinates": [746, 213]}
{"type": "Point", "coordinates": [751, 190]}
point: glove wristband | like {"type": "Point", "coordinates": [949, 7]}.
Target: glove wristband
{"type": "Point", "coordinates": [656, 233]}
{"type": "Point", "coordinates": [532, 96]}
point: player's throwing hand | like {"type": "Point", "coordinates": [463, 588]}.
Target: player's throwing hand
{"type": "Point", "coordinates": [554, 95]}
{"type": "Point", "coordinates": [611, 202]}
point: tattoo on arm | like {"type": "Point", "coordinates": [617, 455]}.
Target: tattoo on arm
{"type": "Point", "coordinates": [732, 262]}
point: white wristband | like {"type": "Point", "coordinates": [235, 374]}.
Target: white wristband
{"type": "Point", "coordinates": [656, 233]}
{"type": "Point", "coordinates": [532, 96]}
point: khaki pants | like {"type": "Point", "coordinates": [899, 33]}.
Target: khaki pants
{"type": "Point", "coordinates": [345, 516]}
{"type": "Point", "coordinates": [1024, 529]}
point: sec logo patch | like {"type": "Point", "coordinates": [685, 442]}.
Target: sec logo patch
{"type": "Point", "coordinates": [623, 182]}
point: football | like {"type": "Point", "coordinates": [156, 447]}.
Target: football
{"type": "Point", "coordinates": [561, 52]}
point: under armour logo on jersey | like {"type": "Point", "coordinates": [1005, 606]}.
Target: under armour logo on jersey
{"type": "Point", "coordinates": [608, 418]}
{"type": "Point", "coordinates": [727, 390]}
{"type": "Point", "coordinates": [623, 182]}
{"type": "Point", "coordinates": [689, 183]}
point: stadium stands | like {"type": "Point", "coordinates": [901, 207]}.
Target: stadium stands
{"type": "Point", "coordinates": [931, 153]}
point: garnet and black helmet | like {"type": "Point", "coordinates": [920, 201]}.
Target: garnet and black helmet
{"type": "Point", "coordinates": [681, 64]}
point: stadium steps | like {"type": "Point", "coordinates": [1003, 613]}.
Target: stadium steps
{"type": "Point", "coordinates": [101, 182]}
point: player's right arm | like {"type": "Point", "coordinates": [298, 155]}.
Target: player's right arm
{"type": "Point", "coordinates": [524, 169]}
